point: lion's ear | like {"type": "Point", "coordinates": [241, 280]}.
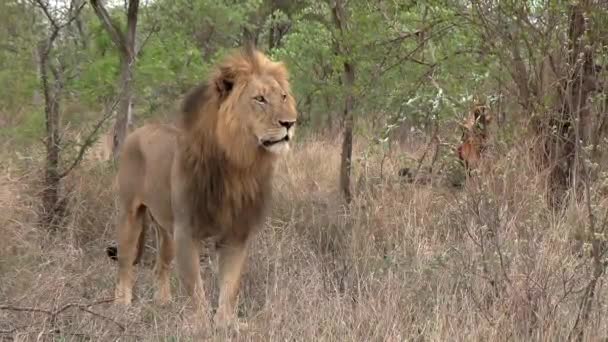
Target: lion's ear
{"type": "Point", "coordinates": [224, 82]}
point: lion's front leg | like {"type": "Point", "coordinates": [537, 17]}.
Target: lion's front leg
{"type": "Point", "coordinates": [188, 267]}
{"type": "Point", "coordinates": [231, 260]}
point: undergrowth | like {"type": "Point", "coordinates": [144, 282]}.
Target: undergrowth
{"type": "Point", "coordinates": [487, 261]}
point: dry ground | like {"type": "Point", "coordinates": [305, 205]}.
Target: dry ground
{"type": "Point", "coordinates": [427, 262]}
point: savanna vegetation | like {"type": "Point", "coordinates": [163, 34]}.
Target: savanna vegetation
{"type": "Point", "coordinates": [447, 181]}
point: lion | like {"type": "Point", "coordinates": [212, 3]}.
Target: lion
{"type": "Point", "coordinates": [474, 137]}
{"type": "Point", "coordinates": [207, 176]}
{"type": "Point", "coordinates": [100, 150]}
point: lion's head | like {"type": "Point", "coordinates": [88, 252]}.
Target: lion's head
{"type": "Point", "coordinates": [249, 105]}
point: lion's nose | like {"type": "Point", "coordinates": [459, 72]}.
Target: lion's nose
{"type": "Point", "coordinates": [286, 124]}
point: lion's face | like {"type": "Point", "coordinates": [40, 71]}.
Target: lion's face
{"type": "Point", "coordinates": [268, 113]}
{"type": "Point", "coordinates": [257, 112]}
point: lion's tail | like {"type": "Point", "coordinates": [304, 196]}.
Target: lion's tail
{"type": "Point", "coordinates": [112, 250]}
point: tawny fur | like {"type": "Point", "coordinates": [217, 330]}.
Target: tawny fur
{"type": "Point", "coordinates": [474, 136]}
{"type": "Point", "coordinates": [208, 176]}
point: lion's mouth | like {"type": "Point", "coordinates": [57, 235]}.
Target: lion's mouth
{"type": "Point", "coordinates": [268, 143]}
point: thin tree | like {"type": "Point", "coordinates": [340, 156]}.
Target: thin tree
{"type": "Point", "coordinates": [573, 122]}
{"type": "Point", "coordinates": [52, 74]}
{"type": "Point", "coordinates": [125, 44]}
{"type": "Point", "coordinates": [339, 15]}
{"type": "Point", "coordinates": [52, 85]}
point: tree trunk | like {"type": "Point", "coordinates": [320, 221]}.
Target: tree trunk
{"type": "Point", "coordinates": [52, 90]}
{"type": "Point", "coordinates": [340, 20]}
{"type": "Point", "coordinates": [50, 194]}
{"type": "Point", "coordinates": [347, 143]}
{"type": "Point", "coordinates": [271, 32]}
{"type": "Point", "coordinates": [125, 43]}
{"type": "Point", "coordinates": [330, 115]}
{"type": "Point", "coordinates": [250, 37]}
{"type": "Point", "coordinates": [573, 121]}
{"type": "Point", "coordinates": [124, 117]}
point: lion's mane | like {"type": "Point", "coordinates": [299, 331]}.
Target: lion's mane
{"type": "Point", "coordinates": [227, 188]}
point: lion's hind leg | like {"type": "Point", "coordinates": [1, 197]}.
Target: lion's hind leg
{"type": "Point", "coordinates": [130, 244]}
{"type": "Point", "coordinates": [163, 263]}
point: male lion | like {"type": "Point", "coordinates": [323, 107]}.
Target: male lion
{"type": "Point", "coordinates": [209, 176]}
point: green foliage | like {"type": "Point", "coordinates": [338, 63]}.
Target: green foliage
{"type": "Point", "coordinates": [29, 129]}
{"type": "Point", "coordinates": [17, 69]}
{"type": "Point", "coordinates": [416, 62]}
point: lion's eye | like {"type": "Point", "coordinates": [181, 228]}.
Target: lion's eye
{"type": "Point", "coordinates": [260, 99]}
{"type": "Point", "coordinates": [284, 97]}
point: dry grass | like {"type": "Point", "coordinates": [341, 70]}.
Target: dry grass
{"type": "Point", "coordinates": [404, 262]}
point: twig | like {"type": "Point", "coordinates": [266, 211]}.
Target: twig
{"type": "Point", "coordinates": [44, 7]}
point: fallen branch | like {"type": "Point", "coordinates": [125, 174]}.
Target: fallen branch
{"type": "Point", "coordinates": [54, 313]}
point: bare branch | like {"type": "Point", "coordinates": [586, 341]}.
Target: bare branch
{"type": "Point", "coordinates": [417, 48]}
{"type": "Point", "coordinates": [90, 139]}
{"type": "Point", "coordinates": [75, 14]}
{"type": "Point", "coordinates": [113, 30]}
{"type": "Point", "coordinates": [44, 6]}
{"type": "Point", "coordinates": [53, 21]}
{"type": "Point", "coordinates": [22, 309]}
{"type": "Point", "coordinates": [155, 29]}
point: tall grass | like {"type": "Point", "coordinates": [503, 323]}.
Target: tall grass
{"type": "Point", "coordinates": [489, 261]}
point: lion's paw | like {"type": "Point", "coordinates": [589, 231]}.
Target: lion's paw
{"type": "Point", "coordinates": [229, 324]}
{"type": "Point", "coordinates": [162, 296]}
{"type": "Point", "coordinates": [123, 296]}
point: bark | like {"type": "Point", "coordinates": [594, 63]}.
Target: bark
{"type": "Point", "coordinates": [340, 20]}
{"type": "Point", "coordinates": [125, 43]}
{"type": "Point", "coordinates": [520, 76]}
{"type": "Point", "coordinates": [250, 37]}
{"type": "Point", "coordinates": [276, 33]}
{"type": "Point", "coordinates": [271, 33]}
{"type": "Point", "coordinates": [347, 143]}
{"type": "Point", "coordinates": [50, 194]}
{"type": "Point", "coordinates": [124, 118]}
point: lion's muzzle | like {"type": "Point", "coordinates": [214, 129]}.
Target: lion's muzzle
{"type": "Point", "coordinates": [270, 142]}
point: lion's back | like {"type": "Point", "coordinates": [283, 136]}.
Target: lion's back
{"type": "Point", "coordinates": [146, 160]}
{"type": "Point", "coordinates": [150, 143]}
